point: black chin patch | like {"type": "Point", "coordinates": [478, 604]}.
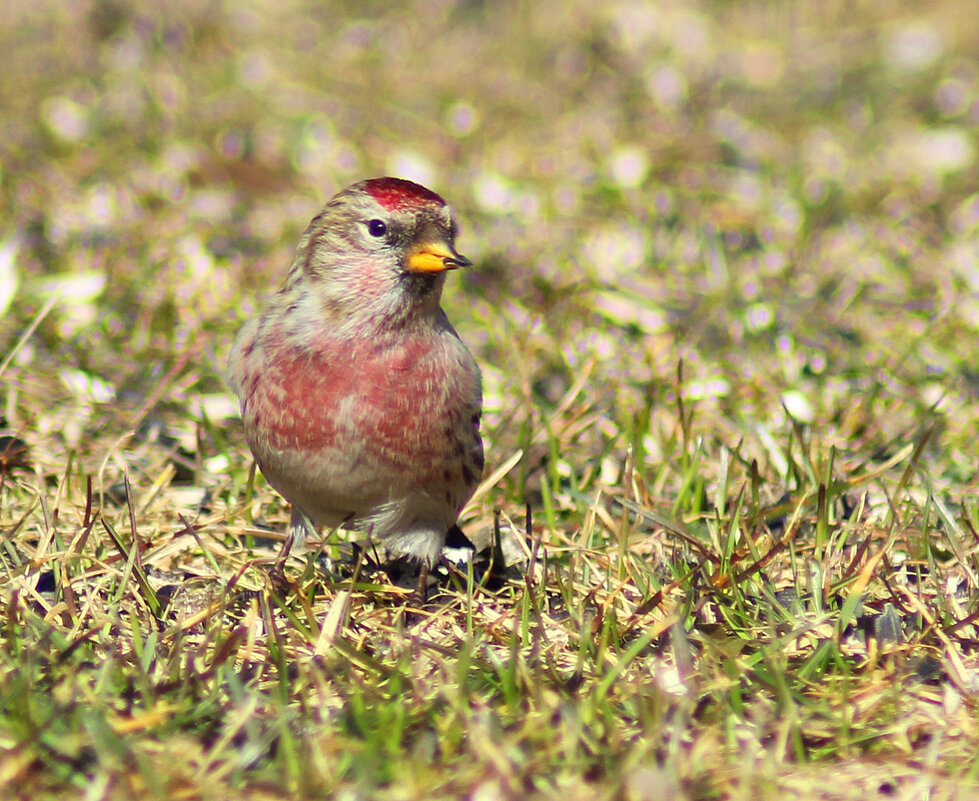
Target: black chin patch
{"type": "Point", "coordinates": [420, 284]}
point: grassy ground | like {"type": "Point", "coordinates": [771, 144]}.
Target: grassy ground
{"type": "Point", "coordinates": [726, 308]}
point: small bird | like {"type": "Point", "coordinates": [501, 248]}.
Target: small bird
{"type": "Point", "coordinates": [359, 401]}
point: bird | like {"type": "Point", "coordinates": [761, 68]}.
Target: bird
{"type": "Point", "coordinates": [359, 401]}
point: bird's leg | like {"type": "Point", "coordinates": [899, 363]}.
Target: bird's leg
{"type": "Point", "coordinates": [419, 597]}
{"type": "Point", "coordinates": [299, 527]}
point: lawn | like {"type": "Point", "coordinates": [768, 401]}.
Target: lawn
{"type": "Point", "coordinates": [726, 306]}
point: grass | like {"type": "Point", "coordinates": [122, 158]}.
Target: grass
{"type": "Point", "coordinates": [725, 310]}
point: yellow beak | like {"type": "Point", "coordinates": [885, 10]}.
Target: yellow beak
{"type": "Point", "coordinates": [435, 257]}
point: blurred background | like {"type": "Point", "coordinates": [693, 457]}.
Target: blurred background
{"type": "Point", "coordinates": [781, 196]}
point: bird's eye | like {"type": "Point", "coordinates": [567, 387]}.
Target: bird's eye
{"type": "Point", "coordinates": [377, 228]}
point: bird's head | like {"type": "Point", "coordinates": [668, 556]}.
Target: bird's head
{"type": "Point", "coordinates": [380, 247]}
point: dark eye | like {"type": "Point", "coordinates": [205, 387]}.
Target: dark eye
{"type": "Point", "coordinates": [377, 228]}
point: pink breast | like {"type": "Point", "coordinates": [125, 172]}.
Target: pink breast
{"type": "Point", "coordinates": [391, 402]}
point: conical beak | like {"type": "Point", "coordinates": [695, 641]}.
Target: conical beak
{"type": "Point", "coordinates": [435, 257]}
